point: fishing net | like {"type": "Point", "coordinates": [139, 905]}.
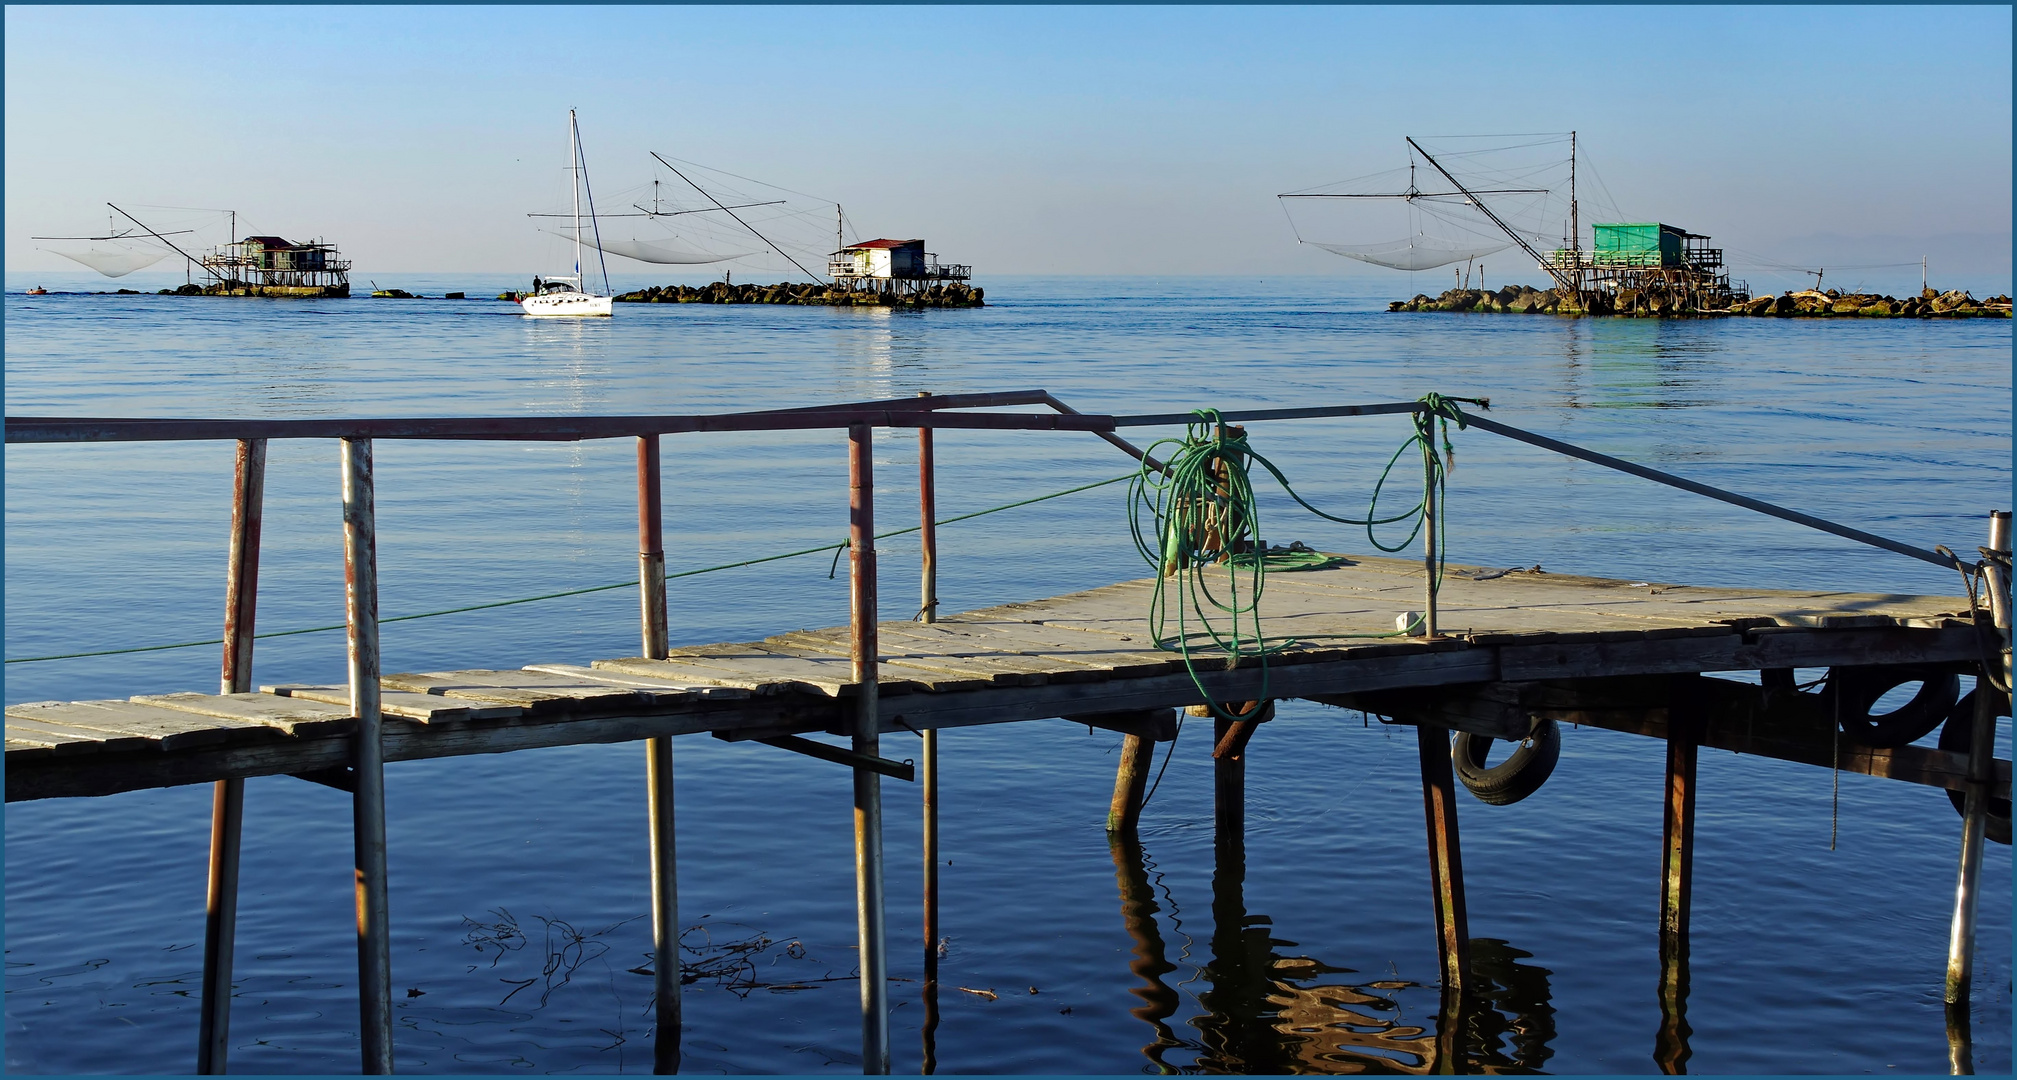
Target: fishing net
{"type": "Point", "coordinates": [112, 261]}
{"type": "Point", "coordinates": [652, 251]}
{"type": "Point", "coordinates": [1523, 179]}
{"type": "Point", "coordinates": [1414, 253]}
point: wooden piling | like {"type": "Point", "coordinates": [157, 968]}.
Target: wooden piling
{"type": "Point", "coordinates": [227, 802]}
{"type": "Point", "coordinates": [360, 577]}
{"type": "Point", "coordinates": [1686, 722]}
{"type": "Point", "coordinates": [1677, 847]}
{"type": "Point", "coordinates": [1138, 756]}
{"type": "Point", "coordinates": [868, 865]}
{"type": "Point", "coordinates": [1975, 804]}
{"type": "Point", "coordinates": [1446, 866]}
{"type": "Point", "coordinates": [658, 775]}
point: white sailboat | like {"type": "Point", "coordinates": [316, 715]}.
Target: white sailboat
{"type": "Point", "coordinates": [563, 296]}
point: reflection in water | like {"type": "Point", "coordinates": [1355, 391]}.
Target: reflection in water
{"type": "Point", "coordinates": [1960, 1041]}
{"type": "Point", "coordinates": [1269, 1011]}
{"type": "Point", "coordinates": [1670, 1046]}
{"type": "Point", "coordinates": [1138, 914]}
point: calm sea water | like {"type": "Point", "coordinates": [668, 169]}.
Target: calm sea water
{"type": "Point", "coordinates": [518, 881]}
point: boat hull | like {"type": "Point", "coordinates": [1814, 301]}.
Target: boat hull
{"type": "Point", "coordinates": [568, 305]}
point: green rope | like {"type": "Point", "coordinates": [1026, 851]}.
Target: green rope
{"type": "Point", "coordinates": [1199, 512]}
{"type": "Point", "coordinates": [840, 547]}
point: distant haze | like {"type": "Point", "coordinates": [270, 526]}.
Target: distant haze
{"type": "Point", "coordinates": [1022, 140]}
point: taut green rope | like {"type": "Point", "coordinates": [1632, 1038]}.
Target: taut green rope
{"type": "Point", "coordinates": [842, 546]}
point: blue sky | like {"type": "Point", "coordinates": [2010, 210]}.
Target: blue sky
{"type": "Point", "coordinates": [1138, 140]}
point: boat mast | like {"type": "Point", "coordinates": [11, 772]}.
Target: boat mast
{"type": "Point", "coordinates": [574, 167]}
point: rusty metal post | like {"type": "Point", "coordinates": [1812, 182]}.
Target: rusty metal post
{"type": "Point", "coordinates": [1975, 804]}
{"type": "Point", "coordinates": [650, 548]}
{"type": "Point", "coordinates": [360, 578]}
{"type": "Point", "coordinates": [927, 488]}
{"type": "Point", "coordinates": [868, 875]}
{"type": "Point", "coordinates": [1428, 538]}
{"type": "Point", "coordinates": [658, 766]}
{"type": "Point", "coordinates": [1446, 865]}
{"type": "Point", "coordinates": [227, 802]}
{"type": "Point", "coordinates": [1685, 725]}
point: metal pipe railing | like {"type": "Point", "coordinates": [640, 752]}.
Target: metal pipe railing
{"type": "Point", "coordinates": [925, 413]}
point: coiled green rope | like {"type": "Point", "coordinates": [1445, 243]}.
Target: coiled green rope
{"type": "Point", "coordinates": [1199, 512]}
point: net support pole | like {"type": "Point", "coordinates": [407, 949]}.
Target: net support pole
{"type": "Point", "coordinates": [1975, 804]}
{"type": "Point", "coordinates": [360, 576]}
{"type": "Point", "coordinates": [658, 775]}
{"type": "Point", "coordinates": [227, 806]}
{"type": "Point", "coordinates": [868, 865]}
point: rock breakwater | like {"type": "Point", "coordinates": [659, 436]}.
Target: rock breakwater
{"type": "Point", "coordinates": [949, 295]}
{"type": "Point", "coordinates": [1807, 303]}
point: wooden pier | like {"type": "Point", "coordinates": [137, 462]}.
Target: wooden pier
{"type": "Point", "coordinates": [1499, 653]}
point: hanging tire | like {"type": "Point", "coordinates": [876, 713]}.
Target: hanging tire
{"type": "Point", "coordinates": [1520, 775]}
{"type": "Point", "coordinates": [1852, 691]}
{"type": "Point", "coordinates": [1958, 736]}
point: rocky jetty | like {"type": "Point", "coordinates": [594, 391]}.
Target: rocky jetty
{"type": "Point", "coordinates": [950, 295]}
{"type": "Point", "coordinates": [1808, 303]}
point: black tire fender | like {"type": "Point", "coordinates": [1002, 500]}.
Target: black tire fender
{"type": "Point", "coordinates": [1851, 691]}
{"type": "Point", "coordinates": [1520, 775]}
{"type": "Point", "coordinates": [1959, 736]}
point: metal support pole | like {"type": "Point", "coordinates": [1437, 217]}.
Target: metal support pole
{"type": "Point", "coordinates": [1446, 866]}
{"type": "Point", "coordinates": [227, 804]}
{"type": "Point", "coordinates": [360, 579]}
{"type": "Point", "coordinates": [658, 767]}
{"type": "Point", "coordinates": [1684, 734]}
{"type": "Point", "coordinates": [1428, 538]}
{"type": "Point", "coordinates": [867, 783]}
{"type": "Point", "coordinates": [927, 488]}
{"type": "Point", "coordinates": [650, 549]}
{"type": "Point", "coordinates": [1975, 805]}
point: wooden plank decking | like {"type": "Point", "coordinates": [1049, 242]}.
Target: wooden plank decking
{"type": "Point", "coordinates": [1084, 654]}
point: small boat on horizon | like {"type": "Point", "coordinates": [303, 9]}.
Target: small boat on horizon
{"type": "Point", "coordinates": [565, 296]}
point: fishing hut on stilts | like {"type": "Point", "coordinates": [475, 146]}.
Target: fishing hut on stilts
{"type": "Point", "coordinates": [1449, 650]}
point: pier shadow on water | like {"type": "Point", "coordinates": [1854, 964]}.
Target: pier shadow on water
{"type": "Point", "coordinates": [1268, 1009]}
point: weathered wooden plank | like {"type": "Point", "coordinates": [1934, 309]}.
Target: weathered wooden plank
{"type": "Point", "coordinates": [402, 704]}
{"type": "Point", "coordinates": [278, 714]}
{"type": "Point", "coordinates": [106, 773]}
{"type": "Point", "coordinates": [20, 749]}
{"type": "Point", "coordinates": [66, 740]}
{"type": "Point", "coordinates": [754, 668]}
{"type": "Point", "coordinates": [169, 728]}
{"type": "Point", "coordinates": [529, 690]}
{"type": "Point", "coordinates": [663, 691]}
{"type": "Point", "coordinates": [924, 665]}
